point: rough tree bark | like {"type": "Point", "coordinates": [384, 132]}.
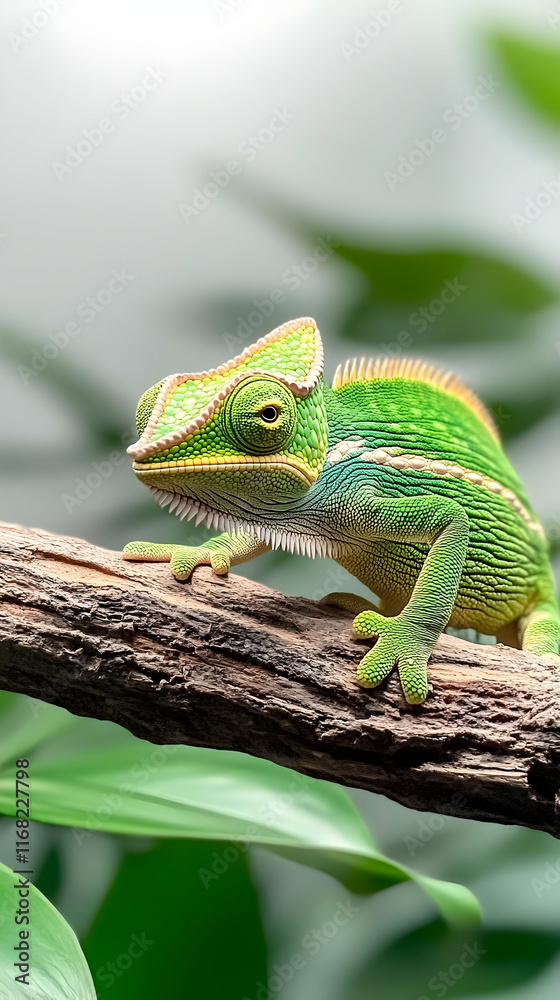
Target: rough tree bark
{"type": "Point", "coordinates": [230, 664]}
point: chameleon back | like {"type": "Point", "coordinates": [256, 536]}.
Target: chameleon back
{"type": "Point", "coordinates": [428, 429]}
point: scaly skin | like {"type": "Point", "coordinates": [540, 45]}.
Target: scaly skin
{"type": "Point", "coordinates": [396, 472]}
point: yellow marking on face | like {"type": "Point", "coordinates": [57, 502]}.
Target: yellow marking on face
{"type": "Point", "coordinates": [218, 463]}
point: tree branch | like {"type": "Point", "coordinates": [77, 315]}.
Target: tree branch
{"type": "Point", "coordinates": [230, 664]}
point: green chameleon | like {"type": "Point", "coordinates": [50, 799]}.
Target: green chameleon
{"type": "Point", "coordinates": [396, 472]}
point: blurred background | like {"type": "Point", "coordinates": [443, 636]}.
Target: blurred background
{"type": "Point", "coordinates": [177, 180]}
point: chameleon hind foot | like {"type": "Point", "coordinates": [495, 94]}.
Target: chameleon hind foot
{"type": "Point", "coordinates": [397, 644]}
{"type": "Point", "coordinates": [182, 558]}
{"type": "Point", "coordinates": [540, 632]}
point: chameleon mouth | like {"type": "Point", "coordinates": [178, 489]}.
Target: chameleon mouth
{"type": "Point", "coordinates": [239, 463]}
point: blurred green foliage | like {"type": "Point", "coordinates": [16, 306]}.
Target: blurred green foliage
{"type": "Point", "coordinates": [161, 932]}
{"type": "Point", "coordinates": [491, 298]}
{"type": "Point", "coordinates": [433, 959]}
{"type": "Point", "coordinates": [533, 67]}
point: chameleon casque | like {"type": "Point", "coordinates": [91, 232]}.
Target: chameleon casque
{"type": "Point", "coordinates": [396, 472]}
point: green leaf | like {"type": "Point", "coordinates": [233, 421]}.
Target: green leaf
{"type": "Point", "coordinates": [98, 776]}
{"type": "Point", "coordinates": [484, 298]}
{"type": "Point", "coordinates": [496, 299]}
{"type": "Point", "coordinates": [169, 927]}
{"type": "Point", "coordinates": [58, 969]}
{"type": "Point", "coordinates": [534, 69]}
{"type": "Point", "coordinates": [412, 276]}
{"type": "Point", "coordinates": [433, 957]}
{"type": "Point", "coordinates": [420, 297]}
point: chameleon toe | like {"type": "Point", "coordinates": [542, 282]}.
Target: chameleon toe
{"type": "Point", "coordinates": [374, 668]}
{"type": "Point", "coordinates": [414, 680]}
{"type": "Point", "coordinates": [184, 560]}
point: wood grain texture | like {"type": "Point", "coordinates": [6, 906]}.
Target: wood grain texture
{"type": "Point", "coordinates": [228, 663]}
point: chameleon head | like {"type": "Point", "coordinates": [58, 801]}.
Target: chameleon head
{"type": "Point", "coordinates": [254, 429]}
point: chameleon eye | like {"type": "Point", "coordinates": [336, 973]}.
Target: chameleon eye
{"type": "Point", "coordinates": [260, 416]}
{"type": "Point", "coordinates": [270, 414]}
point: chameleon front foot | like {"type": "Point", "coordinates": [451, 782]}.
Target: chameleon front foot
{"type": "Point", "coordinates": [397, 644]}
{"type": "Point", "coordinates": [182, 558]}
